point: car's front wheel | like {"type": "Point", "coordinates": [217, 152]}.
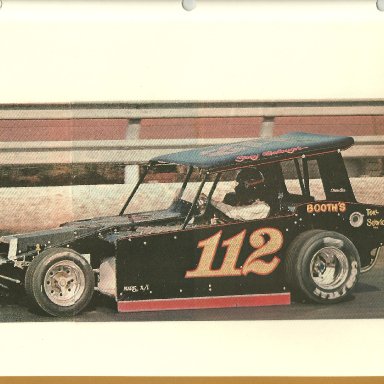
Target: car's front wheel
{"type": "Point", "coordinates": [60, 281]}
{"type": "Point", "coordinates": [322, 266]}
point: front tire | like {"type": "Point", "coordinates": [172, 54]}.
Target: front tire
{"type": "Point", "coordinates": [322, 266]}
{"type": "Point", "coordinates": [60, 282]}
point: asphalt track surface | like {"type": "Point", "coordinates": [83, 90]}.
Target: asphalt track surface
{"type": "Point", "coordinates": [367, 302]}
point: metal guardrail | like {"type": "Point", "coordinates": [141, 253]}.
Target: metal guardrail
{"type": "Point", "coordinates": [191, 109]}
{"type": "Point", "coordinates": [136, 151]}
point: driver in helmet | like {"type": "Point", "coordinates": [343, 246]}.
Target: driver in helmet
{"type": "Point", "coordinates": [247, 202]}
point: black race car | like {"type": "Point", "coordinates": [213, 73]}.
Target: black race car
{"type": "Point", "coordinates": [254, 245]}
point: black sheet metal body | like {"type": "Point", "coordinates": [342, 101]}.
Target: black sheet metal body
{"type": "Point", "coordinates": [156, 266]}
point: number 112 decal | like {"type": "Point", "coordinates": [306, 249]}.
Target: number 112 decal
{"type": "Point", "coordinates": [265, 241]}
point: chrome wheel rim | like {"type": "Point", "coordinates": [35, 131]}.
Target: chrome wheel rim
{"type": "Point", "coordinates": [64, 283]}
{"type": "Point", "coordinates": [329, 268]}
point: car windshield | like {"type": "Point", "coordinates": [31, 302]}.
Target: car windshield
{"type": "Point", "coordinates": [165, 185]}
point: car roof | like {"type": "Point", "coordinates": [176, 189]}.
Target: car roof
{"type": "Point", "coordinates": [257, 151]}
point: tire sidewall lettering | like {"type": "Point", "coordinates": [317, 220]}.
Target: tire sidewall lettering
{"type": "Point", "coordinates": [341, 291]}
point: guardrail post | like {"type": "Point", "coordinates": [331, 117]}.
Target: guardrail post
{"type": "Point", "coordinates": [266, 128]}
{"type": "Point", "coordinates": [131, 172]}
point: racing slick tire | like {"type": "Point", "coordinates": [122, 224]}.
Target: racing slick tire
{"type": "Point", "coordinates": [60, 282]}
{"type": "Point", "coordinates": [321, 266]}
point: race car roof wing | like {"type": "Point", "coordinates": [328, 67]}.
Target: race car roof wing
{"type": "Point", "coordinates": [256, 151]}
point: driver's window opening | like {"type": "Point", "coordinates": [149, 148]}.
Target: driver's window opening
{"type": "Point", "coordinates": [250, 193]}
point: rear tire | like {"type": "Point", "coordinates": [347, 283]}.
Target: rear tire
{"type": "Point", "coordinates": [322, 266]}
{"type": "Point", "coordinates": [60, 282]}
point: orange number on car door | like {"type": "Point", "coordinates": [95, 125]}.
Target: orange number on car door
{"type": "Point", "coordinates": [209, 246]}
{"type": "Point", "coordinates": [263, 248]}
{"type": "Point", "coordinates": [253, 264]}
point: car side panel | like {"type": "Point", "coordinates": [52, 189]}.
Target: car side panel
{"type": "Point", "coordinates": [219, 260]}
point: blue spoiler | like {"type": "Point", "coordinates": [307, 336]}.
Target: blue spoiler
{"type": "Point", "coordinates": [256, 151]}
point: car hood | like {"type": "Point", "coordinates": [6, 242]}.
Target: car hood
{"type": "Point", "coordinates": [19, 244]}
{"type": "Point", "coordinates": [127, 220]}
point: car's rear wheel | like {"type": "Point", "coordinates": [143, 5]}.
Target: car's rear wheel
{"type": "Point", "coordinates": [60, 282]}
{"type": "Point", "coordinates": [322, 266]}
